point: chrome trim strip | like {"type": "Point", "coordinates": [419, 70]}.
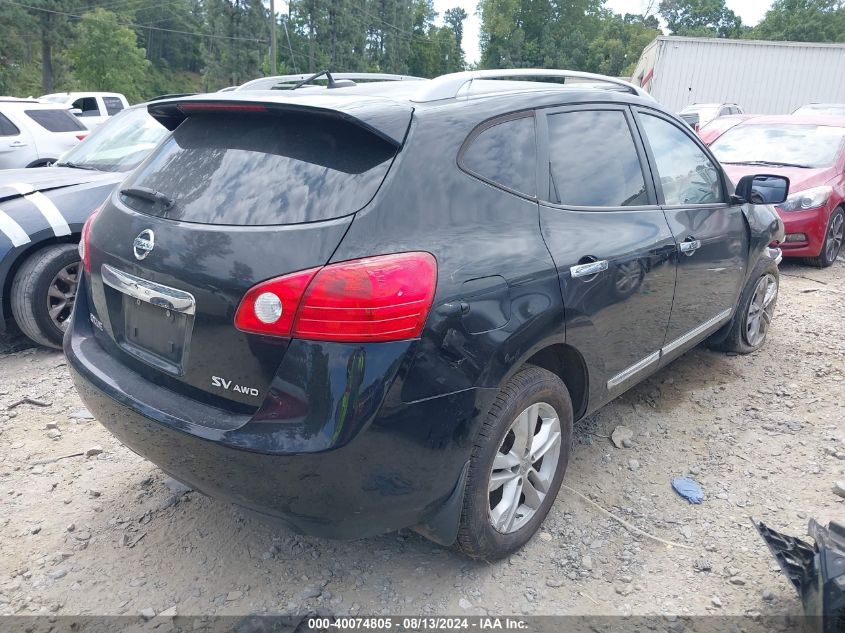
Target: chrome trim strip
{"type": "Point", "coordinates": [649, 360]}
{"type": "Point", "coordinates": [149, 291]}
{"type": "Point", "coordinates": [701, 329]}
{"type": "Point", "coordinates": [636, 368]}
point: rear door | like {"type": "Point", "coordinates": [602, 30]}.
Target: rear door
{"type": "Point", "coordinates": [55, 130]}
{"type": "Point", "coordinates": [17, 148]}
{"type": "Point", "coordinates": [610, 241]}
{"type": "Point", "coordinates": [711, 235]}
{"type": "Point", "coordinates": [240, 198]}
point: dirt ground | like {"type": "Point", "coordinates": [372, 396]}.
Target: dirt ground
{"type": "Point", "coordinates": [764, 434]}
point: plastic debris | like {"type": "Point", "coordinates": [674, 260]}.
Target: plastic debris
{"type": "Point", "coordinates": [688, 489]}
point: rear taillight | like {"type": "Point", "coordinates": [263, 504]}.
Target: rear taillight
{"type": "Point", "coordinates": [384, 298]}
{"type": "Point", "coordinates": [84, 253]}
{"type": "Point", "coordinates": [81, 137]}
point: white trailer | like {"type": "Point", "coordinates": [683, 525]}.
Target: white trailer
{"type": "Point", "coordinates": [762, 77]}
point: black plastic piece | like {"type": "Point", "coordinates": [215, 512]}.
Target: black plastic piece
{"type": "Point", "coordinates": [817, 572]}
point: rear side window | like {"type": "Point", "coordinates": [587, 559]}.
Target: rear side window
{"type": "Point", "coordinates": [88, 105]}
{"type": "Point", "coordinates": [113, 105]}
{"type": "Point", "coordinates": [262, 169]}
{"type": "Point", "coordinates": [505, 154]}
{"type": "Point", "coordinates": [7, 128]}
{"type": "Point", "coordinates": [594, 161]}
{"type": "Point", "coordinates": [55, 120]}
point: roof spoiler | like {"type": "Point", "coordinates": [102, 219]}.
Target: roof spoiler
{"type": "Point", "coordinates": [388, 120]}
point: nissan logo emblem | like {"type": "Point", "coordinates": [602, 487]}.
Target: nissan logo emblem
{"type": "Point", "coordinates": [143, 244]}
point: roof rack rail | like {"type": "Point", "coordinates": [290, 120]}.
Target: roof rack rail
{"type": "Point", "coordinates": [279, 80]}
{"type": "Point", "coordinates": [449, 86]}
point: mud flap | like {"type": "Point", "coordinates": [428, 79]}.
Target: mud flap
{"type": "Point", "coordinates": [817, 572]}
{"type": "Point", "coordinates": [442, 526]}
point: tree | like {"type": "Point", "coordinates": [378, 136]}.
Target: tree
{"type": "Point", "coordinates": [106, 56]}
{"type": "Point", "coordinates": [454, 19]}
{"type": "Point", "coordinates": [803, 21]}
{"type": "Point", "coordinates": [703, 18]}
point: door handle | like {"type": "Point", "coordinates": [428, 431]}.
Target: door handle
{"type": "Point", "coordinates": [589, 269]}
{"type": "Point", "coordinates": [17, 144]}
{"type": "Point", "coordinates": [689, 246]}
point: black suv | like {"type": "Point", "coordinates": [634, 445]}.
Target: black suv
{"type": "Point", "coordinates": [378, 306]}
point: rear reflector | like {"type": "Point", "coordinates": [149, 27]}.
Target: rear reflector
{"type": "Point", "coordinates": [384, 298]}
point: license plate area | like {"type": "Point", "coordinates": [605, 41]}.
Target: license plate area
{"type": "Point", "coordinates": [153, 322]}
{"type": "Point", "coordinates": [156, 335]}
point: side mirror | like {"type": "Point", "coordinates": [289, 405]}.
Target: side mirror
{"type": "Point", "coordinates": [76, 112]}
{"type": "Point", "coordinates": [762, 189]}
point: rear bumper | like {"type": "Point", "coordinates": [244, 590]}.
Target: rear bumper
{"type": "Point", "coordinates": [375, 464]}
{"type": "Point", "coordinates": [812, 223]}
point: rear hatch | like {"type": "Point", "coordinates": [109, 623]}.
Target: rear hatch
{"type": "Point", "coordinates": [240, 193]}
{"type": "Point", "coordinates": [65, 129]}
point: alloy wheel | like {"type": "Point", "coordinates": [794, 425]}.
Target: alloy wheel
{"type": "Point", "coordinates": [835, 233]}
{"type": "Point", "coordinates": [524, 467]}
{"type": "Point", "coordinates": [761, 310]}
{"type": "Point", "coordinates": [61, 295]}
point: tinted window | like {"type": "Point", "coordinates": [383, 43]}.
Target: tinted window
{"type": "Point", "coordinates": [505, 154]}
{"type": "Point", "coordinates": [88, 105]}
{"type": "Point", "coordinates": [113, 105]}
{"type": "Point", "coordinates": [263, 169]}
{"type": "Point", "coordinates": [55, 120]}
{"type": "Point", "coordinates": [594, 162]}
{"type": "Point", "coordinates": [7, 128]}
{"type": "Point", "coordinates": [687, 175]}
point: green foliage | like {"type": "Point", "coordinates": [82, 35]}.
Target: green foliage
{"type": "Point", "coordinates": [147, 47]}
{"type": "Point", "coordinates": [106, 56]}
{"type": "Point", "coordinates": [803, 21]}
{"type": "Point", "coordinates": [578, 35]}
{"type": "Point", "coordinates": [701, 18]}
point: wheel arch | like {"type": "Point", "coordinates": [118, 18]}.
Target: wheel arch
{"type": "Point", "coordinates": [567, 363]}
{"type": "Point", "coordinates": [17, 262]}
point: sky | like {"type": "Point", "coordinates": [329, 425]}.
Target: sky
{"type": "Point", "coordinates": [751, 12]}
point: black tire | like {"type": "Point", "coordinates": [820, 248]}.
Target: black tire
{"type": "Point", "coordinates": [29, 295]}
{"type": "Point", "coordinates": [737, 339]}
{"type": "Point", "coordinates": [477, 537]}
{"type": "Point", "coordinates": [836, 224]}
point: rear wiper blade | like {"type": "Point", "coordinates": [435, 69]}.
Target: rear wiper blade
{"type": "Point", "coordinates": [768, 163]}
{"type": "Point", "coordinates": [77, 166]}
{"type": "Point", "coordinates": [150, 195]}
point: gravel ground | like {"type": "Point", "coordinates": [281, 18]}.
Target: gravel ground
{"type": "Point", "coordinates": [87, 527]}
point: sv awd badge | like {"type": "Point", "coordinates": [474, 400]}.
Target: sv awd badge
{"type": "Point", "coordinates": [217, 381]}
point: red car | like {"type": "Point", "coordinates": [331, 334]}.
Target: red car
{"type": "Point", "coordinates": [718, 126]}
{"type": "Point", "coordinates": [810, 151]}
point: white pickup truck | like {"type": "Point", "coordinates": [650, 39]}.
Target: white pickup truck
{"type": "Point", "coordinates": [92, 108]}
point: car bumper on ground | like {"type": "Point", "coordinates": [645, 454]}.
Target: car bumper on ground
{"type": "Point", "coordinates": [805, 232]}
{"type": "Point", "coordinates": [399, 467]}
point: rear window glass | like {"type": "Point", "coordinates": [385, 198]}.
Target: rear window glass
{"type": "Point", "coordinates": [505, 153]}
{"type": "Point", "coordinates": [262, 169]}
{"type": "Point", "coordinates": [7, 128]}
{"type": "Point", "coordinates": [55, 120]}
{"type": "Point", "coordinates": [113, 105]}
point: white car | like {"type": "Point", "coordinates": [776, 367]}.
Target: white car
{"type": "Point", "coordinates": [93, 108]}
{"type": "Point", "coordinates": [34, 133]}
{"type": "Point", "coordinates": [700, 114]}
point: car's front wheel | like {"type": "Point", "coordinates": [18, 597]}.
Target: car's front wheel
{"type": "Point", "coordinates": [833, 239]}
{"type": "Point", "coordinates": [43, 293]}
{"type": "Point", "coordinates": [754, 312]}
{"type": "Point", "coordinates": [517, 464]}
